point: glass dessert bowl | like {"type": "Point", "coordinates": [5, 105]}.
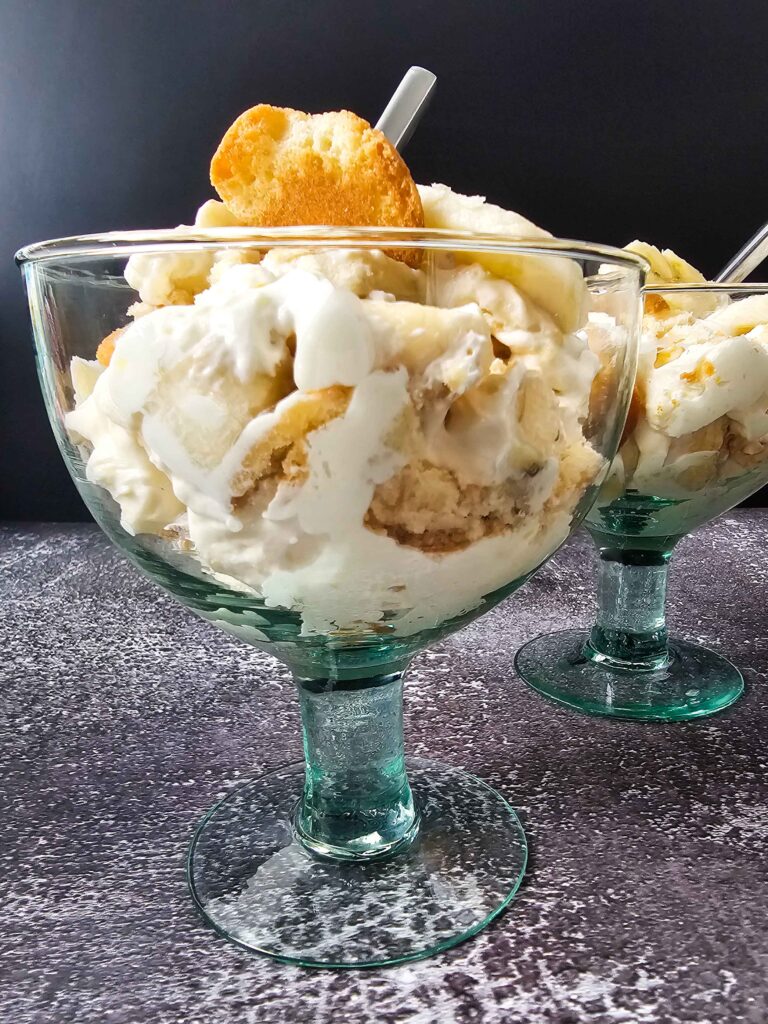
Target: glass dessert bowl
{"type": "Point", "coordinates": [695, 445]}
{"type": "Point", "coordinates": [340, 446]}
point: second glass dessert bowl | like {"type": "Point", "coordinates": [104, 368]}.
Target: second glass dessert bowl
{"type": "Point", "coordinates": [694, 446]}
{"type": "Point", "coordinates": [340, 445]}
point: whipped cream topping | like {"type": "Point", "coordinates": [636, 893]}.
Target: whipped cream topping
{"type": "Point", "coordinates": [194, 374]}
{"type": "Point", "coordinates": [706, 381]}
{"type": "Point", "coordinates": [269, 410]}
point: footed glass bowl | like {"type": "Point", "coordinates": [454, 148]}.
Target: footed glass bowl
{"type": "Point", "coordinates": [340, 445]}
{"type": "Point", "coordinates": [695, 445]}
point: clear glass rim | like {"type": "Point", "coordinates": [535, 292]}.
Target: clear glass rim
{"type": "Point", "coordinates": [127, 243]}
{"type": "Point", "coordinates": [746, 287]}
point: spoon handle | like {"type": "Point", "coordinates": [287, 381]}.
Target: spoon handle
{"type": "Point", "coordinates": [408, 103]}
{"type": "Point", "coordinates": [749, 256]}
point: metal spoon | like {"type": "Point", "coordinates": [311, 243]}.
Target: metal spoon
{"type": "Point", "coordinates": [408, 103]}
{"type": "Point", "coordinates": [749, 256]}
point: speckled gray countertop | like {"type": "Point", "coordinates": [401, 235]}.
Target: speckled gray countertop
{"type": "Point", "coordinates": [123, 718]}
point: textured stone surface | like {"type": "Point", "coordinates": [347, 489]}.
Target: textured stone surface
{"type": "Point", "coordinates": [123, 718]}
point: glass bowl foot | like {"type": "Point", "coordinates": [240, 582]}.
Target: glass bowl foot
{"type": "Point", "coordinates": [259, 887]}
{"type": "Point", "coordinates": [696, 683]}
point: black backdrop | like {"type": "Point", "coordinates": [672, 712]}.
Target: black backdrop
{"type": "Point", "coordinates": [600, 119]}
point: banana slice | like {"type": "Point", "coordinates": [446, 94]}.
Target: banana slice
{"type": "Point", "coordinates": [213, 214]}
{"type": "Point", "coordinates": [669, 268]}
{"type": "Point", "coordinates": [510, 316]}
{"type": "Point", "coordinates": [206, 412]}
{"type": "Point", "coordinates": [666, 266]}
{"type": "Point", "coordinates": [84, 373]}
{"type": "Point", "coordinates": [537, 413]}
{"type": "Point", "coordinates": [452, 346]}
{"type": "Point", "coordinates": [169, 279]}
{"type": "Point", "coordinates": [554, 284]}
{"type": "Point", "coordinates": [174, 279]}
{"type": "Point", "coordinates": [368, 272]}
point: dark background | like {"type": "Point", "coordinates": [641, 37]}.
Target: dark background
{"type": "Point", "coordinates": [599, 119]}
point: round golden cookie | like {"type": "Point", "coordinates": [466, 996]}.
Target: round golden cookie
{"type": "Point", "coordinates": [278, 167]}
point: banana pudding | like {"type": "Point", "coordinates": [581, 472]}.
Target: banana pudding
{"type": "Point", "coordinates": [371, 438]}
{"type": "Point", "coordinates": [699, 414]}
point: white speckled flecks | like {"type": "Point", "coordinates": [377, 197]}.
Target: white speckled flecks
{"type": "Point", "coordinates": [123, 718]}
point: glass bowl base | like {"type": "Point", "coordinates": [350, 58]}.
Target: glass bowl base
{"type": "Point", "coordinates": [696, 683]}
{"type": "Point", "coordinates": [258, 886]}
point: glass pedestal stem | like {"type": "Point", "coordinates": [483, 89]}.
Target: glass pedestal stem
{"type": "Point", "coordinates": [357, 801]}
{"type": "Point", "coordinates": [630, 632]}
{"type": "Point", "coordinates": [626, 666]}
